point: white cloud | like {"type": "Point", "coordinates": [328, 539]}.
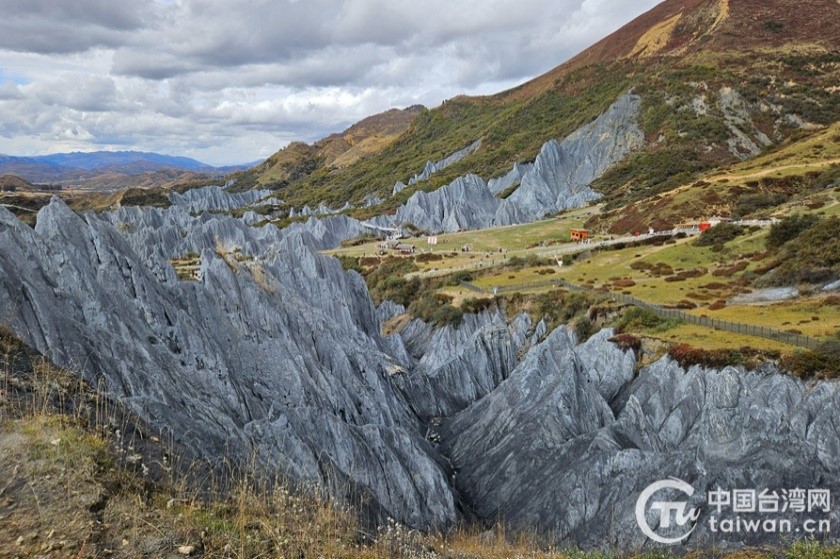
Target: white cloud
{"type": "Point", "coordinates": [231, 81]}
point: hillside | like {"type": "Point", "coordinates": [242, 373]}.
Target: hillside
{"type": "Point", "coordinates": [365, 138]}
{"type": "Point", "coordinates": [11, 183]}
{"type": "Point", "coordinates": [107, 169]}
{"type": "Point", "coordinates": [720, 82]}
{"type": "Point", "coordinates": [648, 289]}
{"type": "Point", "coordinates": [129, 495]}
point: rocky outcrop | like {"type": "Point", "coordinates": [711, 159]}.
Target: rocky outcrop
{"type": "Point", "coordinates": [215, 199]}
{"type": "Point", "coordinates": [274, 354]}
{"type": "Point", "coordinates": [512, 178]}
{"type": "Point", "coordinates": [329, 232]}
{"type": "Point", "coordinates": [563, 170]}
{"type": "Point", "coordinates": [466, 203]}
{"type": "Point", "coordinates": [458, 367]}
{"type": "Point", "coordinates": [559, 179]}
{"type": "Point", "coordinates": [322, 209]}
{"type": "Point", "coordinates": [398, 187]}
{"type": "Point", "coordinates": [568, 442]}
{"type": "Point", "coordinates": [745, 139]}
{"type": "Point", "coordinates": [433, 167]}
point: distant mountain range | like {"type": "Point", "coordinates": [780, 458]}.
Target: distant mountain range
{"type": "Point", "coordinates": [81, 168]}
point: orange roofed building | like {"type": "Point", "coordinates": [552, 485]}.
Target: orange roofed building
{"type": "Point", "coordinates": [580, 234]}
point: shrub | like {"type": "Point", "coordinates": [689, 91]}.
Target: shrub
{"type": "Point", "coordinates": [719, 234]}
{"type": "Point", "coordinates": [350, 263]}
{"type": "Point", "coordinates": [458, 277]}
{"type": "Point", "coordinates": [822, 361]}
{"type": "Point", "coordinates": [635, 319]}
{"type": "Point", "coordinates": [428, 257]}
{"type": "Point", "coordinates": [688, 356]}
{"type": "Point", "coordinates": [447, 315]}
{"type": "Point", "coordinates": [752, 203]}
{"type": "Point", "coordinates": [584, 328]}
{"type": "Point", "coordinates": [530, 261]}
{"type": "Point", "coordinates": [731, 270]}
{"type": "Point", "coordinates": [560, 307]}
{"type": "Point", "coordinates": [813, 258]}
{"type": "Point", "coordinates": [627, 341]}
{"type": "Point", "coordinates": [476, 305]}
{"type": "Point", "coordinates": [788, 229]}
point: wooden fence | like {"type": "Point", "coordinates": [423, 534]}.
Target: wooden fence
{"type": "Point", "coordinates": [735, 327]}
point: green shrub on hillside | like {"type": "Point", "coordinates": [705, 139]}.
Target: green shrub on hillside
{"type": "Point", "coordinates": [688, 356]}
{"type": "Point", "coordinates": [751, 203]}
{"type": "Point", "coordinates": [475, 306]}
{"type": "Point", "coordinates": [788, 229]}
{"type": "Point", "coordinates": [718, 235]}
{"type": "Point", "coordinates": [823, 361]}
{"type": "Point", "coordinates": [809, 253]}
{"type": "Point", "coordinates": [637, 319]}
{"type": "Point", "coordinates": [648, 173]}
{"type": "Point", "coordinates": [435, 308]}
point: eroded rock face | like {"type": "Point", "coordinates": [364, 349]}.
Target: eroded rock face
{"type": "Point", "coordinates": [559, 179]}
{"type": "Point", "coordinates": [328, 232]}
{"type": "Point", "coordinates": [433, 167]}
{"type": "Point", "coordinates": [274, 353]}
{"type": "Point", "coordinates": [466, 203]}
{"type": "Point", "coordinates": [569, 441]}
{"type": "Point", "coordinates": [458, 367]}
{"type": "Point", "coordinates": [214, 198]}
{"type": "Point", "coordinates": [562, 172]}
{"type": "Point", "coordinates": [512, 178]}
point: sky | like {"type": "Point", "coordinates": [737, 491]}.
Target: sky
{"type": "Point", "coordinates": [233, 81]}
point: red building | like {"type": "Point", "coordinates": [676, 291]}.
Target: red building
{"type": "Point", "coordinates": [580, 234]}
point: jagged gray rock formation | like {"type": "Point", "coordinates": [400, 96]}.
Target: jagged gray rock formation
{"type": "Point", "coordinates": [559, 179]}
{"type": "Point", "coordinates": [563, 170]}
{"type": "Point", "coordinates": [214, 198]}
{"type": "Point", "coordinates": [433, 167]}
{"type": "Point", "coordinates": [398, 187]}
{"type": "Point", "coordinates": [465, 203]}
{"type": "Point", "coordinates": [322, 209]}
{"type": "Point", "coordinates": [328, 232]}
{"type": "Point", "coordinates": [745, 139]}
{"type": "Point", "coordinates": [371, 200]}
{"type": "Point", "coordinates": [512, 178]}
{"type": "Point", "coordinates": [458, 367]}
{"type": "Point", "coordinates": [274, 354]}
{"type": "Point", "coordinates": [568, 442]}
{"type": "Point", "coordinates": [252, 218]}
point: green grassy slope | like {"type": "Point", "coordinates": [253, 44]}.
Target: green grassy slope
{"type": "Point", "coordinates": [681, 51]}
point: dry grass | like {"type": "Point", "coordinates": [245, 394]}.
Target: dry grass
{"type": "Point", "coordinates": [74, 484]}
{"type": "Point", "coordinates": [656, 38]}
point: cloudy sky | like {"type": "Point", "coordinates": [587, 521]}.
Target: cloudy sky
{"type": "Point", "coordinates": [230, 81]}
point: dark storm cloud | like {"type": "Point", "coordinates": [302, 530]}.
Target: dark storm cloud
{"type": "Point", "coordinates": [51, 27]}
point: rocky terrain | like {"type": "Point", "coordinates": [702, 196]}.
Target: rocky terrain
{"type": "Point", "coordinates": [214, 198]}
{"type": "Point", "coordinates": [247, 348]}
{"type": "Point", "coordinates": [558, 179]}
{"type": "Point", "coordinates": [433, 167]}
{"type": "Point", "coordinates": [570, 440]}
{"type": "Point", "coordinates": [275, 353]}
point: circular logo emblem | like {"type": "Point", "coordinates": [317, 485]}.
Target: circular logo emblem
{"type": "Point", "coordinates": [672, 514]}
